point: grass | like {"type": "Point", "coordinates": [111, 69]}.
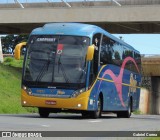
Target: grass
{"type": "Point", "coordinates": [10, 61]}
{"type": "Point", "coordinates": [10, 87]}
{"type": "Point", "coordinates": [152, 138]}
{"type": "Point", "coordinates": [137, 112]}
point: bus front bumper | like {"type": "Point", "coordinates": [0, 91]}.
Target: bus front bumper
{"type": "Point", "coordinates": [78, 103]}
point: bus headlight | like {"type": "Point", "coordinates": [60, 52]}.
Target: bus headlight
{"type": "Point", "coordinates": [28, 90]}
{"type": "Point", "coordinates": [77, 92]}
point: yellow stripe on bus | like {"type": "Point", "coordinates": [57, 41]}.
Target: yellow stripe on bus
{"type": "Point", "coordinates": [124, 84]}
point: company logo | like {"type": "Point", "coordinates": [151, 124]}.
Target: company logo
{"type": "Point", "coordinates": [21, 134]}
{"type": "Point", "coordinates": [6, 134]}
{"type": "Point", "coordinates": [60, 92]}
{"type": "Point", "coordinates": [45, 39]}
{"type": "Point", "coordinates": [133, 83]}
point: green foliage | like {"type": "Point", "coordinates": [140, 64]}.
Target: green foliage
{"type": "Point", "coordinates": [10, 41]}
{"type": "Point", "coordinates": [137, 112]}
{"type": "Point", "coordinates": [10, 90]}
{"type": "Point", "coordinates": [152, 138]}
{"type": "Point", "coordinates": [10, 61]}
{"type": "Point", "coordinates": [117, 55]}
{"type": "Point", "coordinates": [127, 53]}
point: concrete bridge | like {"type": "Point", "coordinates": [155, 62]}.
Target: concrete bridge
{"type": "Point", "coordinates": [116, 16]}
{"type": "Point", "coordinates": [151, 81]}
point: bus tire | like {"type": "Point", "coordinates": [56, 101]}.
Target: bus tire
{"type": "Point", "coordinates": [120, 114]}
{"type": "Point", "coordinates": [125, 114]}
{"type": "Point", "coordinates": [97, 114]}
{"type": "Point", "coordinates": [43, 112]}
{"type": "Point", "coordinates": [85, 114]}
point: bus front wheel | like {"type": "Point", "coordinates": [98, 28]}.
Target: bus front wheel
{"type": "Point", "coordinates": [96, 114]}
{"type": "Point", "coordinates": [86, 114]}
{"type": "Point", "coordinates": [43, 112]}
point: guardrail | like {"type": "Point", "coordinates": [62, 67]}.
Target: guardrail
{"type": "Point", "coordinates": [73, 3]}
{"type": "Point", "coordinates": [53, 1]}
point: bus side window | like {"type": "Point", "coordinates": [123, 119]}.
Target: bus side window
{"type": "Point", "coordinates": [94, 65]}
{"type": "Point", "coordinates": [106, 51]}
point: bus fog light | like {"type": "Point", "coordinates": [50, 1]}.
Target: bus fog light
{"type": "Point", "coordinates": [24, 102]}
{"type": "Point", "coordinates": [79, 105]}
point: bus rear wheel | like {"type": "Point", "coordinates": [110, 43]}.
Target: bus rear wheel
{"type": "Point", "coordinates": [43, 112]}
{"type": "Point", "coordinates": [125, 114]}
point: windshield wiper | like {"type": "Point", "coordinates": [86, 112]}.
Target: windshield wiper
{"type": "Point", "coordinates": [44, 68]}
{"type": "Point", "coordinates": [60, 65]}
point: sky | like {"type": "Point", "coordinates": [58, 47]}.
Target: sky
{"type": "Point", "coordinates": [144, 43]}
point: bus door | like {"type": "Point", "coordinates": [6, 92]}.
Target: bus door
{"type": "Point", "coordinates": [95, 62]}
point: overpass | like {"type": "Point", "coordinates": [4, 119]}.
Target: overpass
{"type": "Point", "coordinates": [151, 81]}
{"type": "Point", "coordinates": [116, 16]}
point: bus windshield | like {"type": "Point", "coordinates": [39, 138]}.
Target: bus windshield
{"type": "Point", "coordinates": [56, 59]}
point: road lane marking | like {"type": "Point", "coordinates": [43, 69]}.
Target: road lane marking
{"type": "Point", "coordinates": [95, 121]}
{"type": "Point", "coordinates": [45, 125]}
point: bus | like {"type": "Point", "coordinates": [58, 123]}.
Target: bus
{"type": "Point", "coordinates": [80, 68]}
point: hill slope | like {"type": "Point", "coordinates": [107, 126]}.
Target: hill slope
{"type": "Point", "coordinates": [10, 86]}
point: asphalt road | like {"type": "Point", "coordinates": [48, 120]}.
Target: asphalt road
{"type": "Point", "coordinates": [74, 122]}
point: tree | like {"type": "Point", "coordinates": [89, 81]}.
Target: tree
{"type": "Point", "coordinates": [117, 55]}
{"type": "Point", "coordinates": [10, 41]}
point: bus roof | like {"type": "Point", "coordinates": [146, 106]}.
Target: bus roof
{"type": "Point", "coordinates": [77, 29]}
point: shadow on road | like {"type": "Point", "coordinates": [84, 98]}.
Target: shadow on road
{"type": "Point", "coordinates": [59, 116]}
{"type": "Point", "coordinates": [79, 117]}
{"type": "Point", "coordinates": [146, 117]}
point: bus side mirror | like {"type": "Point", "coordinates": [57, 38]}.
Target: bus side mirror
{"type": "Point", "coordinates": [90, 53]}
{"type": "Point", "coordinates": [17, 50]}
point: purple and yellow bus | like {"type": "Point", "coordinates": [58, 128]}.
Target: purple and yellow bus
{"type": "Point", "coordinates": [80, 68]}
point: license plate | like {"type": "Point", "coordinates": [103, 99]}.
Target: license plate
{"type": "Point", "coordinates": [49, 102]}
